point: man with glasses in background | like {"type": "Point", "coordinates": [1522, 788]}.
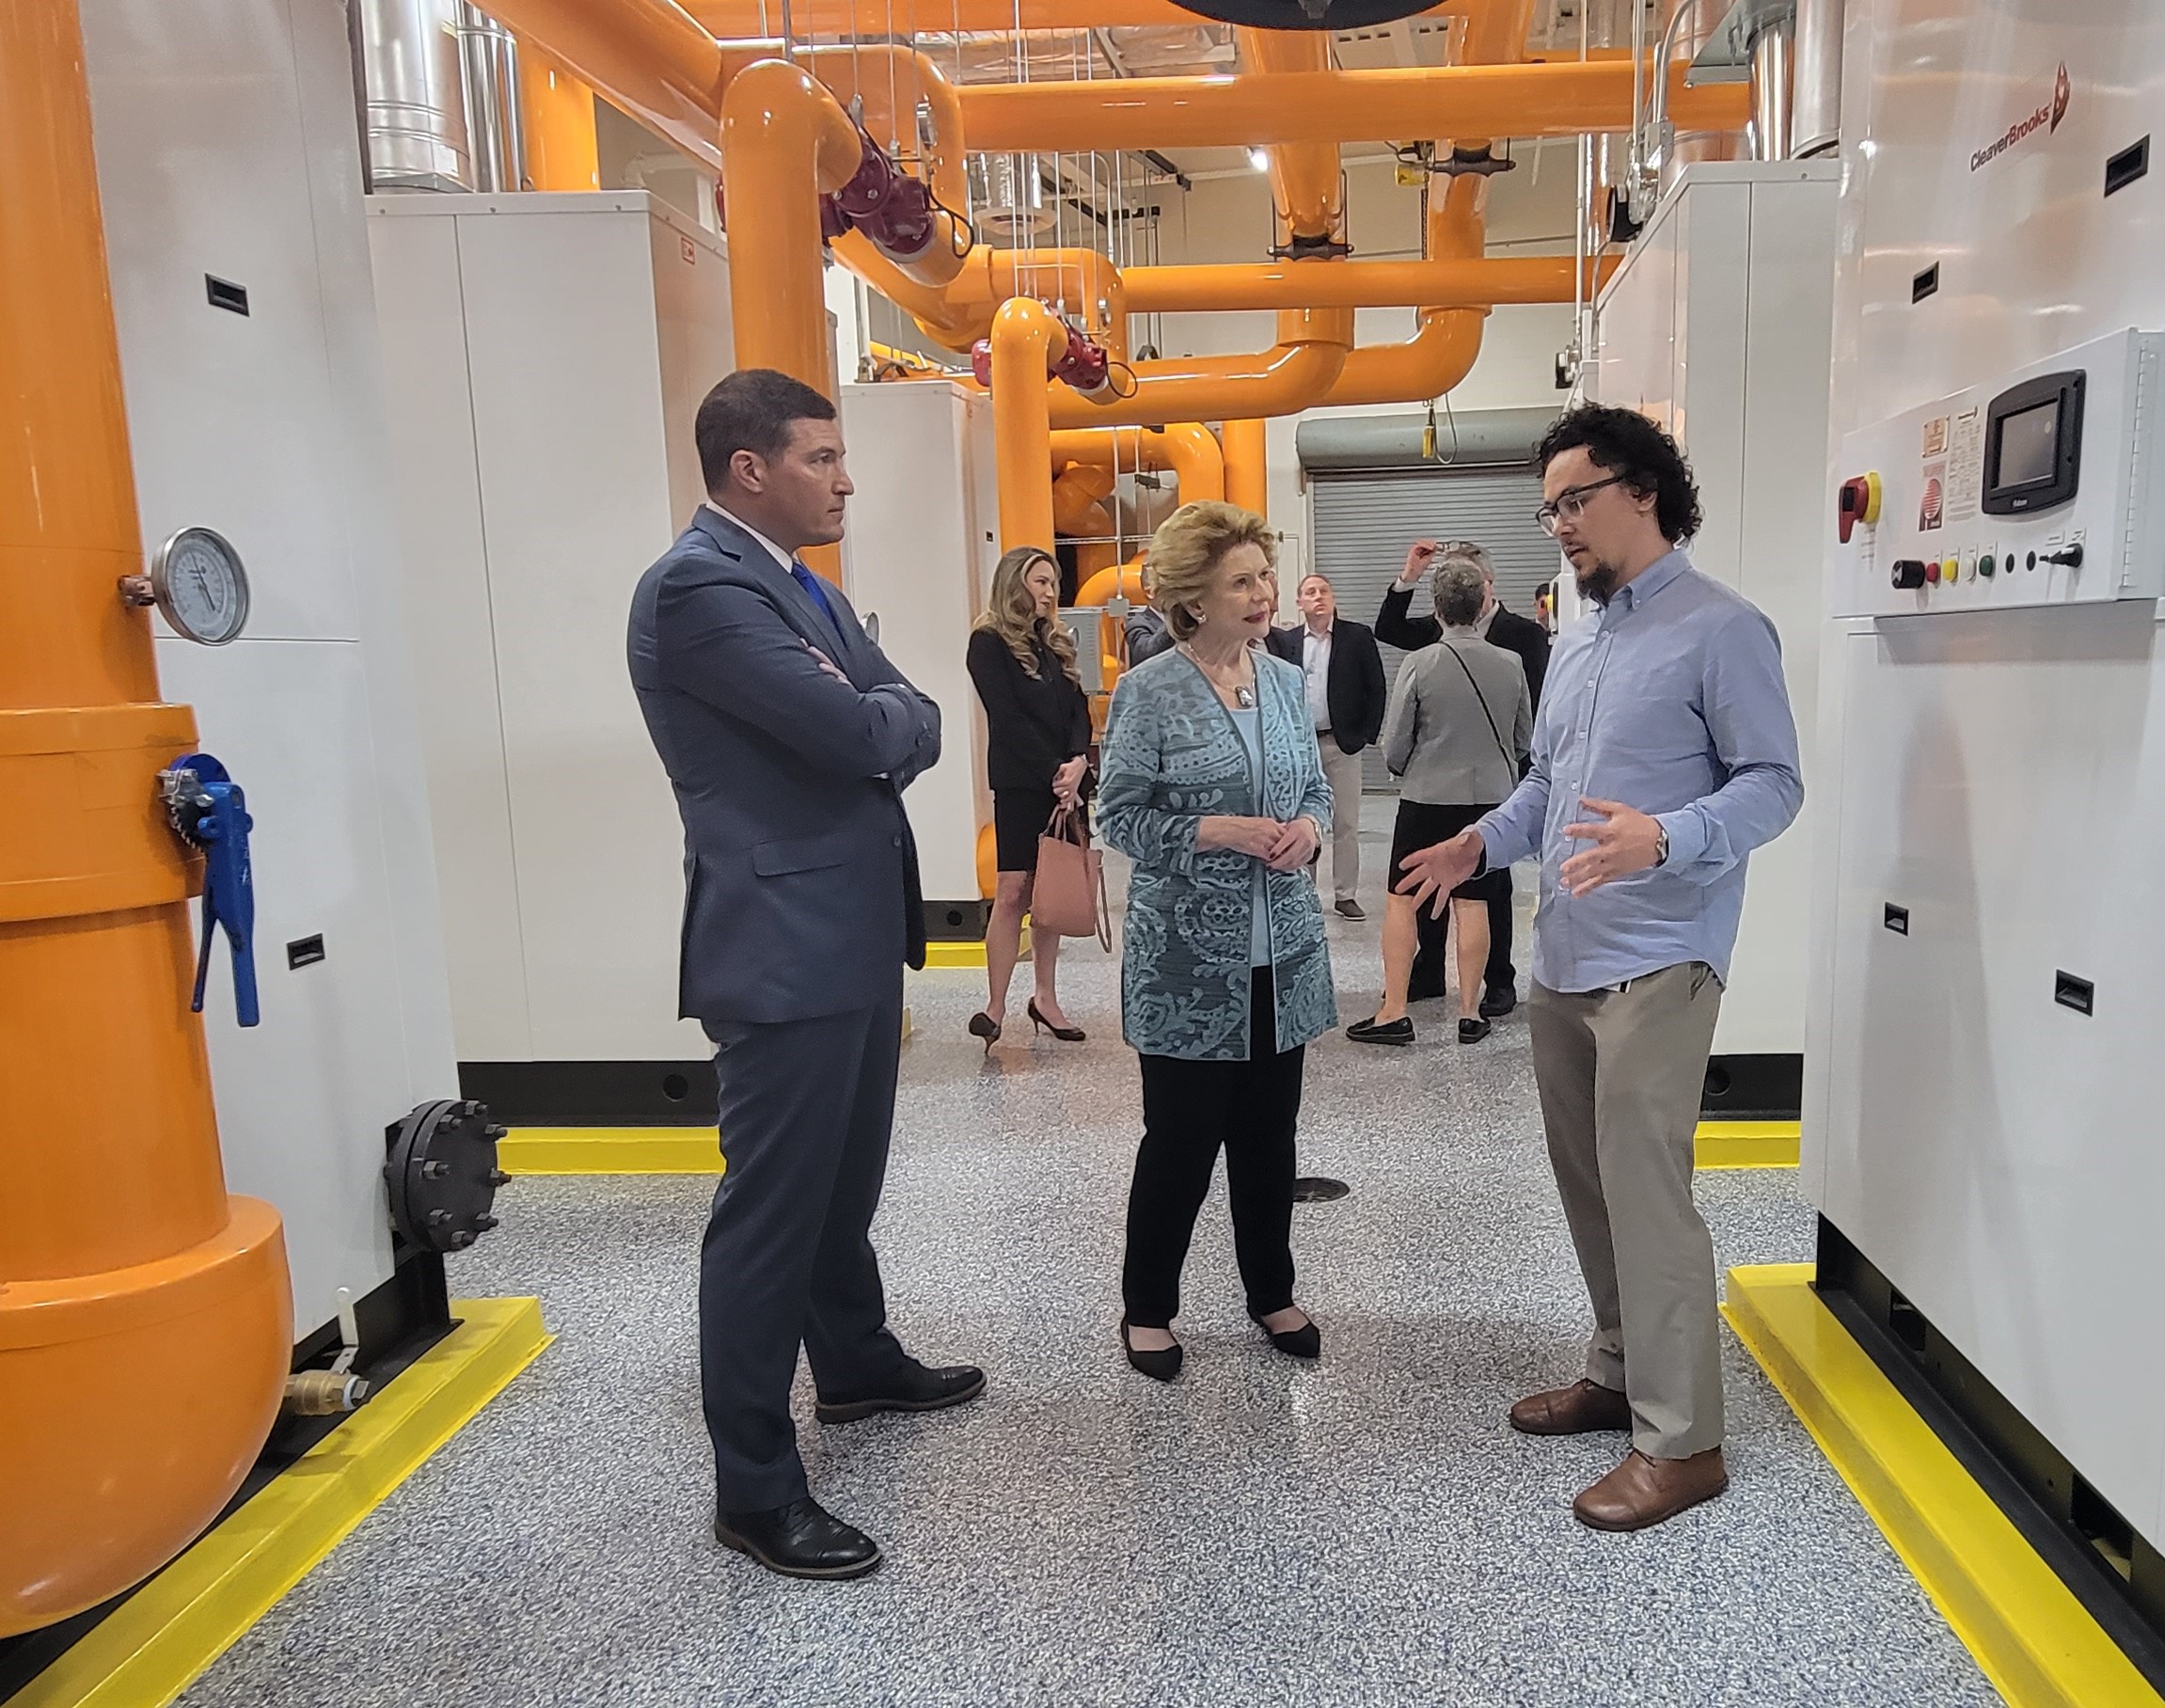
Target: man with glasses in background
{"type": "Point", "coordinates": [1664, 753]}
{"type": "Point", "coordinates": [1502, 628]}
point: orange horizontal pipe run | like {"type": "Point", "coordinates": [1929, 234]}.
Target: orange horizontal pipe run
{"type": "Point", "coordinates": [1189, 449]}
{"type": "Point", "coordinates": [1357, 284]}
{"type": "Point", "coordinates": [1306, 180]}
{"type": "Point", "coordinates": [1284, 380]}
{"type": "Point", "coordinates": [1000, 16]}
{"type": "Point", "coordinates": [651, 58]}
{"type": "Point", "coordinates": [1554, 99]}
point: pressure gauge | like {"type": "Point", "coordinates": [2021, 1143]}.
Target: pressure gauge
{"type": "Point", "coordinates": [198, 583]}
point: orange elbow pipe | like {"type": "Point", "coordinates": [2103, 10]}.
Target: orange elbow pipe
{"type": "Point", "coordinates": [1247, 461]}
{"type": "Point", "coordinates": [1558, 98]}
{"type": "Point", "coordinates": [1026, 336]}
{"type": "Point", "coordinates": [784, 143]}
{"type": "Point", "coordinates": [1429, 364]}
{"type": "Point", "coordinates": [129, 1271]}
{"type": "Point", "coordinates": [1306, 180]}
{"type": "Point", "coordinates": [1189, 449]}
{"type": "Point", "coordinates": [1284, 380]}
{"type": "Point", "coordinates": [652, 60]}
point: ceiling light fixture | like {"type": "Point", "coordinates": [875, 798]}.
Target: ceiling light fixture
{"type": "Point", "coordinates": [1260, 160]}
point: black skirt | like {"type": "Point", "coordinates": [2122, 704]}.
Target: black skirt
{"type": "Point", "coordinates": [1422, 825]}
{"type": "Point", "coordinates": [1018, 820]}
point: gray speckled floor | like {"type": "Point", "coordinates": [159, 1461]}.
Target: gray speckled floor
{"type": "Point", "coordinates": [1367, 1529]}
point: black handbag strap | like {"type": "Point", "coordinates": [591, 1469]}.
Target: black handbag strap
{"type": "Point", "coordinates": [1511, 764]}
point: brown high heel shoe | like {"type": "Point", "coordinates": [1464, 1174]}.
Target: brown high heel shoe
{"type": "Point", "coordinates": [1067, 1035]}
{"type": "Point", "coordinates": [983, 1025]}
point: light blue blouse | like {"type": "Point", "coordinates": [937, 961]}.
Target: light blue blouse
{"type": "Point", "coordinates": [1250, 724]}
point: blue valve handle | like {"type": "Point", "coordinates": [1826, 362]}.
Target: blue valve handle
{"type": "Point", "coordinates": [211, 811]}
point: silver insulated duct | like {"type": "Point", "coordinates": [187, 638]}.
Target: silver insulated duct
{"type": "Point", "coordinates": [495, 141]}
{"type": "Point", "coordinates": [1770, 93]}
{"type": "Point", "coordinates": [1816, 120]}
{"type": "Point", "coordinates": [417, 119]}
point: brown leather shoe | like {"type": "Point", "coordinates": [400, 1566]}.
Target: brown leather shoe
{"type": "Point", "coordinates": [1643, 1492]}
{"type": "Point", "coordinates": [1575, 1410]}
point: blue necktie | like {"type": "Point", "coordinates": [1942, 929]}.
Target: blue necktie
{"type": "Point", "coordinates": [809, 583]}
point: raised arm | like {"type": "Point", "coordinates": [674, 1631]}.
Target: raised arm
{"type": "Point", "coordinates": [726, 647]}
{"type": "Point", "coordinates": [1394, 628]}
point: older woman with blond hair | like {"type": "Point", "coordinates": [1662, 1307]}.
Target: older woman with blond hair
{"type": "Point", "coordinates": [1038, 744]}
{"type": "Point", "coordinates": [1210, 782]}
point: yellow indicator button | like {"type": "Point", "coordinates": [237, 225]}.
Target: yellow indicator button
{"type": "Point", "coordinates": [1951, 570]}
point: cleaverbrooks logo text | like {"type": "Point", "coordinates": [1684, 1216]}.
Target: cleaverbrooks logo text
{"type": "Point", "coordinates": [2046, 118]}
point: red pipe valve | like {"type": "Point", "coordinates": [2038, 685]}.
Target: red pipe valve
{"type": "Point", "coordinates": [893, 209]}
{"type": "Point", "coordinates": [1084, 364]}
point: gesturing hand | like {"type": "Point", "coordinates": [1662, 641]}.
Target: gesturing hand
{"type": "Point", "coordinates": [1417, 558]}
{"type": "Point", "coordinates": [1441, 869]}
{"type": "Point", "coordinates": [1625, 841]}
{"type": "Point", "coordinates": [1296, 847]}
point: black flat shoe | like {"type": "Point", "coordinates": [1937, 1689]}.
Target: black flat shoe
{"type": "Point", "coordinates": [983, 1025]}
{"type": "Point", "coordinates": [802, 1540]}
{"type": "Point", "coordinates": [1067, 1035]}
{"type": "Point", "coordinates": [1159, 1366]}
{"type": "Point", "coordinates": [1471, 1032]}
{"type": "Point", "coordinates": [918, 1389]}
{"type": "Point", "coordinates": [1498, 1002]}
{"type": "Point", "coordinates": [1400, 1031]}
{"type": "Point", "coordinates": [1303, 1342]}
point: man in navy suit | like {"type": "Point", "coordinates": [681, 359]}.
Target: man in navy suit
{"type": "Point", "coordinates": [788, 738]}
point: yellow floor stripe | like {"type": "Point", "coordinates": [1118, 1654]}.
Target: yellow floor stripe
{"type": "Point", "coordinates": [164, 1637]}
{"type": "Point", "coordinates": [1747, 1143]}
{"type": "Point", "coordinates": [611, 1150]}
{"type": "Point", "coordinates": [2033, 1640]}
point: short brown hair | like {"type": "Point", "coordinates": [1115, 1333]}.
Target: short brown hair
{"type": "Point", "coordinates": [1187, 550]}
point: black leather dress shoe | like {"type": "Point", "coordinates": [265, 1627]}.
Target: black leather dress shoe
{"type": "Point", "coordinates": [802, 1540]}
{"type": "Point", "coordinates": [1399, 1032]}
{"type": "Point", "coordinates": [915, 1389]}
{"type": "Point", "coordinates": [1499, 1001]}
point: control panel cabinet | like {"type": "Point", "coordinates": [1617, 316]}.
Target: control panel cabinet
{"type": "Point", "coordinates": [2042, 486]}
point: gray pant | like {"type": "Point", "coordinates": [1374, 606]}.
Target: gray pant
{"type": "Point", "coordinates": [1342, 771]}
{"type": "Point", "coordinates": [806, 1110]}
{"type": "Point", "coordinates": [1620, 1075]}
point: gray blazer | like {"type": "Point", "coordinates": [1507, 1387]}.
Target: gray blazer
{"type": "Point", "coordinates": [1171, 756]}
{"type": "Point", "coordinates": [801, 895]}
{"type": "Point", "coordinates": [1440, 742]}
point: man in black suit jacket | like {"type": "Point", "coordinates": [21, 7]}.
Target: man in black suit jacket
{"type": "Point", "coordinates": [1347, 697]}
{"type": "Point", "coordinates": [788, 738]}
{"type": "Point", "coordinates": [1514, 634]}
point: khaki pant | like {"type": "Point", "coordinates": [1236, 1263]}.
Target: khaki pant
{"type": "Point", "coordinates": [1620, 1075]}
{"type": "Point", "coordinates": [1342, 771]}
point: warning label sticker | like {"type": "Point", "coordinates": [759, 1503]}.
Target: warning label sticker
{"type": "Point", "coordinates": [1965, 465]}
{"type": "Point", "coordinates": [1931, 508]}
{"type": "Point", "coordinates": [1936, 437]}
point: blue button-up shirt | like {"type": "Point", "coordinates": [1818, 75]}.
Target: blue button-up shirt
{"type": "Point", "coordinates": [1672, 701]}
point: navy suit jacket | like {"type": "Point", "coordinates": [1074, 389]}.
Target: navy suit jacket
{"type": "Point", "coordinates": [801, 895]}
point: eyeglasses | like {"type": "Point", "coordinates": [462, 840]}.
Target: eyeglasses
{"type": "Point", "coordinates": [1571, 503]}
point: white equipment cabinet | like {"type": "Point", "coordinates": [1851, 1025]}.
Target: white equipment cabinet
{"type": "Point", "coordinates": [545, 357]}
{"type": "Point", "coordinates": [1981, 1111]}
{"type": "Point", "coordinates": [1717, 326]}
{"type": "Point", "coordinates": [227, 151]}
{"type": "Point", "coordinates": [919, 555]}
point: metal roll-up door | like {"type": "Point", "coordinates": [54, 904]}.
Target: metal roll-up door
{"type": "Point", "coordinates": [1362, 522]}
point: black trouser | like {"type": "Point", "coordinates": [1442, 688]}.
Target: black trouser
{"type": "Point", "coordinates": [1433, 956]}
{"type": "Point", "coordinates": [806, 1111]}
{"type": "Point", "coordinates": [1191, 1109]}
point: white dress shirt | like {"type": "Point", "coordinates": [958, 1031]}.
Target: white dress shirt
{"type": "Point", "coordinates": [780, 557]}
{"type": "Point", "coordinates": [1316, 667]}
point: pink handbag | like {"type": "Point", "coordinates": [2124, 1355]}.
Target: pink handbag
{"type": "Point", "coordinates": [1068, 898]}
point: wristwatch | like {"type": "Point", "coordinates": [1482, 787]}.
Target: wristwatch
{"type": "Point", "coordinates": [1661, 845]}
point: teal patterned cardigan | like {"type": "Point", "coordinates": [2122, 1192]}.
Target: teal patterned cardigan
{"type": "Point", "coordinates": [1171, 755]}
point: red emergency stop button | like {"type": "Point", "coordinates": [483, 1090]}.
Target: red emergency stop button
{"type": "Point", "coordinates": [1858, 501]}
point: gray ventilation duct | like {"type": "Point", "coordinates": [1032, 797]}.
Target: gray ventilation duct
{"type": "Point", "coordinates": [1471, 438]}
{"type": "Point", "coordinates": [490, 59]}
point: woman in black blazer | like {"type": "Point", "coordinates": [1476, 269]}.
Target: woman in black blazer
{"type": "Point", "coordinates": [1037, 743]}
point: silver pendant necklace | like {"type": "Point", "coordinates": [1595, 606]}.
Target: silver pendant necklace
{"type": "Point", "coordinates": [1243, 694]}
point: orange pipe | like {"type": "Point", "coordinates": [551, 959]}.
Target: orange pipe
{"type": "Point", "coordinates": [557, 112]}
{"type": "Point", "coordinates": [784, 143]}
{"type": "Point", "coordinates": [1248, 461]}
{"type": "Point", "coordinates": [1481, 282]}
{"type": "Point", "coordinates": [1443, 350]}
{"type": "Point", "coordinates": [890, 81]}
{"type": "Point", "coordinates": [1563, 98]}
{"type": "Point", "coordinates": [1079, 514]}
{"type": "Point", "coordinates": [650, 59]}
{"type": "Point", "coordinates": [1081, 280]}
{"type": "Point", "coordinates": [1188, 448]}
{"type": "Point", "coordinates": [1306, 180]}
{"type": "Point", "coordinates": [1027, 338]}
{"type": "Point", "coordinates": [1284, 380]}
{"type": "Point", "coordinates": [127, 1270]}
{"type": "Point", "coordinates": [990, 17]}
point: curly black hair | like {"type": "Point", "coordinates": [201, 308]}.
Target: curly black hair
{"type": "Point", "coordinates": [1625, 443]}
